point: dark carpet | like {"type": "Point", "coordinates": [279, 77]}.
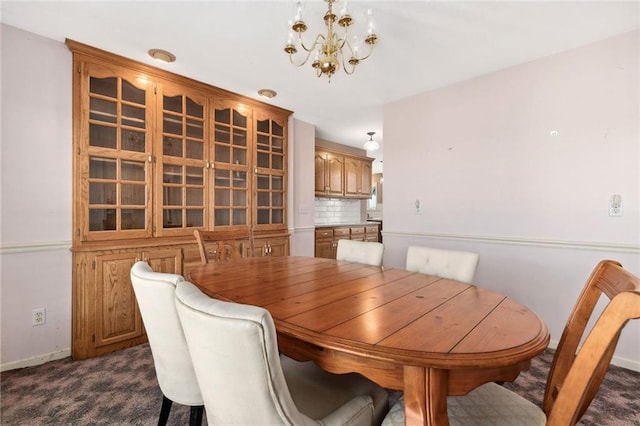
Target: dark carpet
{"type": "Point", "coordinates": [121, 389]}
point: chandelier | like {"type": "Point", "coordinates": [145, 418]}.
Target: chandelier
{"type": "Point", "coordinates": [331, 49]}
{"type": "Point", "coordinates": [371, 145]}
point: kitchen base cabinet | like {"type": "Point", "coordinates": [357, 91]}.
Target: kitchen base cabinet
{"type": "Point", "coordinates": [327, 237]}
{"type": "Point", "coordinates": [324, 246]}
{"type": "Point", "coordinates": [372, 233]}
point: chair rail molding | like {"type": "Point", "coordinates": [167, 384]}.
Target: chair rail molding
{"type": "Point", "coordinates": [582, 245]}
{"type": "Point", "coordinates": [35, 247]}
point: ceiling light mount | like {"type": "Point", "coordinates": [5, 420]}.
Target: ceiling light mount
{"type": "Point", "coordinates": [267, 93]}
{"type": "Point", "coordinates": [162, 55]}
{"type": "Point", "coordinates": [331, 49]}
{"type": "Point", "coordinates": [371, 145]}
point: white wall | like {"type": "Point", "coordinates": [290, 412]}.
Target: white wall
{"type": "Point", "coordinates": [35, 269]}
{"type": "Point", "coordinates": [301, 184]}
{"type": "Point", "coordinates": [490, 177]}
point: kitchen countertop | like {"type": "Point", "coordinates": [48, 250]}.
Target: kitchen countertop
{"type": "Point", "coordinates": [335, 225]}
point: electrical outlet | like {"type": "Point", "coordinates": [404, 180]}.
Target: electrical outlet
{"type": "Point", "coordinates": [38, 316]}
{"type": "Point", "coordinates": [615, 205]}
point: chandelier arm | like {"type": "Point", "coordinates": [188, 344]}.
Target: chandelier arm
{"type": "Point", "coordinates": [344, 42]}
{"type": "Point", "coordinates": [291, 59]}
{"type": "Point", "coordinates": [344, 63]}
{"type": "Point", "coordinates": [318, 40]}
{"type": "Point", "coordinates": [346, 71]}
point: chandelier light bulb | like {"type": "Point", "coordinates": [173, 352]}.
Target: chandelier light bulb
{"type": "Point", "coordinates": [298, 16]}
{"type": "Point", "coordinates": [345, 8]}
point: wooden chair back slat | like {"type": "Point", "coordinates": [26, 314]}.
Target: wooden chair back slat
{"type": "Point", "coordinates": [581, 371]}
{"type": "Point", "coordinates": [227, 245]}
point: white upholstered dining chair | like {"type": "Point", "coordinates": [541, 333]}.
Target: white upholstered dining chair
{"type": "Point", "coordinates": [245, 381]}
{"type": "Point", "coordinates": [155, 294]}
{"type": "Point", "coordinates": [367, 252]}
{"type": "Point", "coordinates": [450, 264]}
{"type": "Point", "coordinates": [575, 374]}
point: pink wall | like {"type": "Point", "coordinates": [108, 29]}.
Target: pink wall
{"type": "Point", "coordinates": [36, 197]}
{"type": "Point", "coordinates": [490, 177]}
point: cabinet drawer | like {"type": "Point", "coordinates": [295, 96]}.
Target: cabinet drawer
{"type": "Point", "coordinates": [324, 233]}
{"type": "Point", "coordinates": [341, 233]}
{"type": "Point", "coordinates": [359, 231]}
{"type": "Point", "coordinates": [371, 229]}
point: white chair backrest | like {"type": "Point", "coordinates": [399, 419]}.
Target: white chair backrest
{"type": "Point", "coordinates": [369, 253]}
{"type": "Point", "coordinates": [450, 264]}
{"type": "Point", "coordinates": [155, 294]}
{"type": "Point", "coordinates": [235, 356]}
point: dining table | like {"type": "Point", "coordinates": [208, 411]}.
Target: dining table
{"type": "Point", "coordinates": [426, 336]}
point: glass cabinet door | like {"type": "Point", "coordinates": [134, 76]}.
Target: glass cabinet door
{"type": "Point", "coordinates": [117, 187]}
{"type": "Point", "coordinates": [182, 162]}
{"type": "Point", "coordinates": [270, 163]}
{"type": "Point", "coordinates": [230, 167]}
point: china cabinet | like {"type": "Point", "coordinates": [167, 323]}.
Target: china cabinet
{"type": "Point", "coordinates": [155, 156]}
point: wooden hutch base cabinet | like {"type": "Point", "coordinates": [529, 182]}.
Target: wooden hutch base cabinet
{"type": "Point", "coordinates": [155, 156]}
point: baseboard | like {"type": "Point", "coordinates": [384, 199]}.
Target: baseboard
{"type": "Point", "coordinates": [617, 361]}
{"type": "Point", "coordinates": [52, 356]}
{"type": "Point", "coordinates": [36, 360]}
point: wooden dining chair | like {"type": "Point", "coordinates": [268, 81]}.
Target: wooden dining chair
{"type": "Point", "coordinates": [575, 374]}
{"type": "Point", "coordinates": [450, 264]}
{"type": "Point", "coordinates": [220, 246]}
{"type": "Point", "coordinates": [155, 294]}
{"type": "Point", "coordinates": [367, 252]}
{"type": "Point", "coordinates": [246, 381]}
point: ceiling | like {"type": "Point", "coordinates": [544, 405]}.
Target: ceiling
{"type": "Point", "coordinates": [238, 45]}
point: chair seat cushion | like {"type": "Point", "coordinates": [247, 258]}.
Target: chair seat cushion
{"type": "Point", "coordinates": [316, 393]}
{"type": "Point", "coordinates": [487, 405]}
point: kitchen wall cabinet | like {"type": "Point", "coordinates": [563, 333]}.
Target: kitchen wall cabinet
{"type": "Point", "coordinates": [327, 237]}
{"type": "Point", "coordinates": [155, 156]}
{"type": "Point", "coordinates": [339, 175]}
{"type": "Point", "coordinates": [329, 173]}
{"type": "Point", "coordinates": [357, 177]}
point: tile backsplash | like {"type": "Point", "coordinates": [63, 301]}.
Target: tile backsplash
{"type": "Point", "coordinates": [337, 210]}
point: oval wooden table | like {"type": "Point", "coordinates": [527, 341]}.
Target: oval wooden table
{"type": "Point", "coordinates": [427, 336]}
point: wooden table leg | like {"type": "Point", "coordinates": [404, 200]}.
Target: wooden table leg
{"type": "Point", "coordinates": [425, 396]}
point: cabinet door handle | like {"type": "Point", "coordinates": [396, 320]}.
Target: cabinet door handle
{"type": "Point", "coordinates": [150, 158]}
